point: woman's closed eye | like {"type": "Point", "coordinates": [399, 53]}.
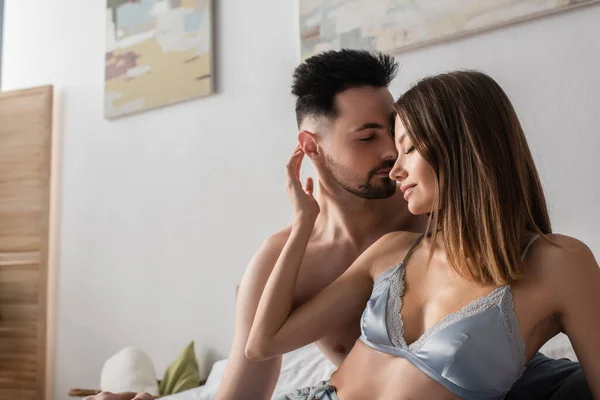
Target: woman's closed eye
{"type": "Point", "coordinates": [410, 150]}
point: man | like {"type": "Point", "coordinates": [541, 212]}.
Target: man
{"type": "Point", "coordinates": [345, 111]}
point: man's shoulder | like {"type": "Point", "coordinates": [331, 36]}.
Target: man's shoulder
{"type": "Point", "coordinates": [265, 257]}
{"type": "Point", "coordinates": [276, 241]}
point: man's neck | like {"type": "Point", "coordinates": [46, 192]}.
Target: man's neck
{"type": "Point", "coordinates": [345, 217]}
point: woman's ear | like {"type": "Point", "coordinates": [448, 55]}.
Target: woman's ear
{"type": "Point", "coordinates": [308, 142]}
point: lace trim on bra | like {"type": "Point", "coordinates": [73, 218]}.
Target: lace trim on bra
{"type": "Point", "coordinates": [511, 324]}
{"type": "Point", "coordinates": [501, 296]}
{"type": "Point", "coordinates": [394, 305]}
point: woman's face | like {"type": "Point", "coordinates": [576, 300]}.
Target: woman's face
{"type": "Point", "coordinates": [416, 177]}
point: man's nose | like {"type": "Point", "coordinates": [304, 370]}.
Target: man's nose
{"type": "Point", "coordinates": [389, 151]}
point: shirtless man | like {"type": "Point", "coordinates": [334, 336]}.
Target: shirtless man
{"type": "Point", "coordinates": [344, 106]}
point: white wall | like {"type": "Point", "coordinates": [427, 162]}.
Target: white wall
{"type": "Point", "coordinates": [161, 211]}
{"type": "Point", "coordinates": [550, 68]}
{"type": "Point", "coordinates": [1, 32]}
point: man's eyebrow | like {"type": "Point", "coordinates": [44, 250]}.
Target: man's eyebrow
{"type": "Point", "coordinates": [368, 125]}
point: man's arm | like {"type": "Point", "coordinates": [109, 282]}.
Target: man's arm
{"type": "Point", "coordinates": [121, 396]}
{"type": "Point", "coordinates": [245, 379]}
{"type": "Point", "coordinates": [279, 328]}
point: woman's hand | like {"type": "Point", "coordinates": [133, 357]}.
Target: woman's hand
{"type": "Point", "coordinates": [305, 206]}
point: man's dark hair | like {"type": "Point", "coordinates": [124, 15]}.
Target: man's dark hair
{"type": "Point", "coordinates": [321, 77]}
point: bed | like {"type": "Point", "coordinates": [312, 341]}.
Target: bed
{"type": "Point", "coordinates": [300, 368]}
{"type": "Point", "coordinates": [307, 366]}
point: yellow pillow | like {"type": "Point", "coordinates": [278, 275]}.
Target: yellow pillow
{"type": "Point", "coordinates": [182, 374]}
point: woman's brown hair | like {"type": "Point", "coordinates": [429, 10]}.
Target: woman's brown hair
{"type": "Point", "coordinates": [489, 192]}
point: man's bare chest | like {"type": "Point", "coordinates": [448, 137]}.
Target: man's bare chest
{"type": "Point", "coordinates": [319, 269]}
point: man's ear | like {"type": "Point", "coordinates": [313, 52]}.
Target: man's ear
{"type": "Point", "coordinates": [308, 142]}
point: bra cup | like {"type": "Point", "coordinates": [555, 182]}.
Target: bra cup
{"type": "Point", "coordinates": [372, 325]}
{"type": "Point", "coordinates": [476, 354]}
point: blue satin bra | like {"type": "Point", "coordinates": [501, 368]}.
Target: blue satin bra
{"type": "Point", "coordinates": [476, 352]}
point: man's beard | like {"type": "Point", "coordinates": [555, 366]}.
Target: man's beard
{"type": "Point", "coordinates": [380, 188]}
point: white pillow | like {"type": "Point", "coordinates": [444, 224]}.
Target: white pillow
{"type": "Point", "coordinates": [130, 370]}
{"type": "Point", "coordinates": [559, 347]}
{"type": "Point", "coordinates": [306, 366]}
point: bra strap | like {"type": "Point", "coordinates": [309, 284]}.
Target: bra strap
{"type": "Point", "coordinates": [524, 254]}
{"type": "Point", "coordinates": [412, 247]}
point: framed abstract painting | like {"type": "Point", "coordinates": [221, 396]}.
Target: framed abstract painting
{"type": "Point", "coordinates": [392, 26]}
{"type": "Point", "coordinates": [158, 52]}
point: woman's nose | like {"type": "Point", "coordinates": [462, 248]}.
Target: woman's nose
{"type": "Point", "coordinates": [398, 173]}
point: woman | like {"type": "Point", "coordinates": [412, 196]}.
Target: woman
{"type": "Point", "coordinates": [458, 312]}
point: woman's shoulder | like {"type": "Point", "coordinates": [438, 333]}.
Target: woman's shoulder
{"type": "Point", "coordinates": [559, 259]}
{"type": "Point", "coordinates": [399, 240]}
{"type": "Point", "coordinates": [564, 272]}
{"type": "Point", "coordinates": [390, 249]}
{"type": "Point", "coordinates": [556, 249]}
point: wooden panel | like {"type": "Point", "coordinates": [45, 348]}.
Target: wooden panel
{"type": "Point", "coordinates": [12, 394]}
{"type": "Point", "coordinates": [9, 259]}
{"type": "Point", "coordinates": [24, 168]}
{"type": "Point", "coordinates": [25, 161]}
{"type": "Point", "coordinates": [12, 329]}
{"type": "Point", "coordinates": [19, 312]}
{"type": "Point", "coordinates": [15, 357]}
{"type": "Point", "coordinates": [17, 380]}
{"type": "Point", "coordinates": [18, 231]}
{"type": "Point", "coordinates": [18, 346]}
{"type": "Point", "coordinates": [19, 280]}
{"type": "Point", "coordinates": [18, 369]}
